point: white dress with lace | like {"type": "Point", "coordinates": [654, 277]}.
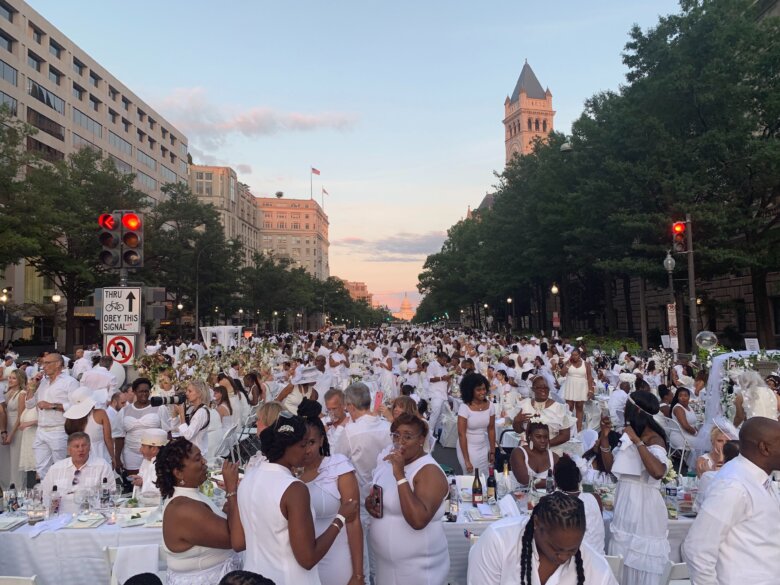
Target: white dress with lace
{"type": "Point", "coordinates": [639, 528]}
{"type": "Point", "coordinates": [200, 565]}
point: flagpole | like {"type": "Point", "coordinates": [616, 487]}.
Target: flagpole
{"type": "Point", "coordinates": [322, 198]}
{"type": "Point", "coordinates": [311, 182]}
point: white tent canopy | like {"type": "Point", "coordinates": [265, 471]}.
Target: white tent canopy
{"type": "Point", "coordinates": [226, 335]}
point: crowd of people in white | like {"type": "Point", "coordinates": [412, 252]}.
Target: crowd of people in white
{"type": "Point", "coordinates": [345, 489]}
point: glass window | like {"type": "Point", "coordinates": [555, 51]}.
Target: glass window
{"type": "Point", "coordinates": [44, 95]}
{"type": "Point", "coordinates": [55, 49]}
{"type": "Point", "coordinates": [78, 92]}
{"type": "Point", "coordinates": [94, 103]}
{"type": "Point", "coordinates": [183, 167]}
{"type": "Point", "coordinates": [168, 174]}
{"type": "Point", "coordinates": [46, 152]}
{"type": "Point", "coordinates": [114, 115]}
{"type": "Point", "coordinates": [86, 122]}
{"type": "Point", "coordinates": [37, 34]}
{"type": "Point", "coordinates": [54, 75]}
{"type": "Point", "coordinates": [45, 124]}
{"type": "Point", "coordinates": [146, 181]}
{"type": "Point", "coordinates": [7, 42]}
{"type": "Point", "coordinates": [126, 104]}
{"type": "Point", "coordinates": [80, 142]}
{"type": "Point", "coordinates": [112, 93]}
{"type": "Point", "coordinates": [120, 143]}
{"type": "Point", "coordinates": [126, 124]}
{"type": "Point", "coordinates": [8, 73]}
{"type": "Point", "coordinates": [145, 159]}
{"type": "Point", "coordinates": [7, 11]}
{"type": "Point", "coordinates": [9, 102]}
{"type": "Point", "coordinates": [34, 60]}
{"type": "Point", "coordinates": [94, 79]}
{"type": "Point", "coordinates": [121, 165]}
{"type": "Point", "coordinates": [78, 66]}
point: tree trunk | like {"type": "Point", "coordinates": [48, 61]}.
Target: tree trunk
{"type": "Point", "coordinates": [609, 305]}
{"type": "Point", "coordinates": [643, 312]}
{"type": "Point", "coordinates": [764, 329]}
{"type": "Point", "coordinates": [629, 306]}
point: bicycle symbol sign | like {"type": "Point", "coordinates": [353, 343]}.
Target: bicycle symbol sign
{"type": "Point", "coordinates": [121, 310]}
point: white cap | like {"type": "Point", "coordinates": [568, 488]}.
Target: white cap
{"type": "Point", "coordinates": [154, 437]}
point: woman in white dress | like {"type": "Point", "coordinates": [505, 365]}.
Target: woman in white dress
{"type": "Point", "coordinates": [279, 535]}
{"type": "Point", "coordinates": [301, 386]}
{"type": "Point", "coordinates": [407, 537]}
{"type": "Point", "coordinates": [554, 414]}
{"type": "Point", "coordinates": [712, 460]}
{"type": "Point", "coordinates": [82, 416]}
{"type": "Point", "coordinates": [531, 467]}
{"type": "Point", "coordinates": [15, 397]}
{"type": "Point", "coordinates": [476, 425]}
{"type": "Point", "coordinates": [331, 480]}
{"type": "Point", "coordinates": [196, 535]}
{"type": "Point", "coordinates": [639, 528]}
{"type": "Point", "coordinates": [684, 432]}
{"type": "Point", "coordinates": [28, 426]}
{"type": "Point", "coordinates": [567, 479]}
{"type": "Point", "coordinates": [546, 547]}
{"type": "Point", "coordinates": [579, 386]}
{"type": "Point", "coordinates": [131, 422]}
{"type": "Point", "coordinates": [386, 377]}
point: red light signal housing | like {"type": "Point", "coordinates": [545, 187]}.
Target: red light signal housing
{"type": "Point", "coordinates": [131, 221]}
{"type": "Point", "coordinates": [679, 237]}
{"type": "Point", "coordinates": [132, 240]}
{"type": "Point", "coordinates": [107, 221]}
{"type": "Point", "coordinates": [108, 237]}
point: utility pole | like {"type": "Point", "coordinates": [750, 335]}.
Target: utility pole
{"type": "Point", "coordinates": [692, 309]}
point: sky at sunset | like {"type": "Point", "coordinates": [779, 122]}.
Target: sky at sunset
{"type": "Point", "coordinates": [398, 104]}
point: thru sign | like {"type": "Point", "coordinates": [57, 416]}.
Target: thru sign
{"type": "Point", "coordinates": [121, 310]}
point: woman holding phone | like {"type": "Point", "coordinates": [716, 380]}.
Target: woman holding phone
{"type": "Point", "coordinates": [407, 501]}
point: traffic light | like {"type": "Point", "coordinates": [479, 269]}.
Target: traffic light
{"type": "Point", "coordinates": [679, 237]}
{"type": "Point", "coordinates": [132, 240]}
{"type": "Point", "coordinates": [110, 229]}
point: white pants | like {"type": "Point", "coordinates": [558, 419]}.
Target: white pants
{"type": "Point", "coordinates": [434, 407]}
{"type": "Point", "coordinates": [50, 446]}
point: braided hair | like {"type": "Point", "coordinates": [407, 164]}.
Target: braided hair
{"type": "Point", "coordinates": [170, 458]}
{"type": "Point", "coordinates": [309, 411]}
{"type": "Point", "coordinates": [555, 510]}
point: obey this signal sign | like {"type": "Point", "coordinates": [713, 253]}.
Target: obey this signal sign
{"type": "Point", "coordinates": [121, 310]}
{"type": "Point", "coordinates": [120, 347]}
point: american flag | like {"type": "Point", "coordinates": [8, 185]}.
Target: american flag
{"type": "Point", "coordinates": [315, 171]}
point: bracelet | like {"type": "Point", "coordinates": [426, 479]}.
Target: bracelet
{"type": "Point", "coordinates": [603, 450]}
{"type": "Point", "coordinates": [341, 517]}
{"type": "Point", "coordinates": [640, 444]}
{"type": "Point", "coordinates": [336, 525]}
{"type": "Point", "coordinates": [400, 482]}
{"type": "Point", "coordinates": [230, 494]}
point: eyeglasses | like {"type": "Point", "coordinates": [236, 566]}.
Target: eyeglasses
{"type": "Point", "coordinates": [76, 477]}
{"type": "Point", "coordinates": [406, 438]}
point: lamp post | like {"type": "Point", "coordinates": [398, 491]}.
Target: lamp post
{"type": "Point", "coordinates": [276, 313]}
{"type": "Point", "coordinates": [4, 300]}
{"type": "Point", "coordinates": [241, 317]}
{"type": "Point", "coordinates": [509, 318]}
{"type": "Point", "coordinates": [197, 293]}
{"type": "Point", "coordinates": [669, 264]}
{"type": "Point", "coordinates": [555, 290]}
{"type": "Point", "coordinates": [180, 306]}
{"type": "Point", "coordinates": [56, 300]}
{"type": "Point", "coordinates": [671, 309]}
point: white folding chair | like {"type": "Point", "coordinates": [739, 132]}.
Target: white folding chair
{"type": "Point", "coordinates": [111, 552]}
{"type": "Point", "coordinates": [616, 565]}
{"type": "Point", "coordinates": [228, 440]}
{"type": "Point", "coordinates": [18, 580]}
{"type": "Point", "coordinates": [686, 448]}
{"type": "Point", "coordinates": [674, 572]}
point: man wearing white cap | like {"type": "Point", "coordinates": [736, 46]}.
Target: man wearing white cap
{"type": "Point", "coordinates": [151, 441]}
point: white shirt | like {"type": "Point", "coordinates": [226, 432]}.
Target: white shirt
{"type": "Point", "coordinates": [437, 389]}
{"type": "Point", "coordinates": [495, 559]}
{"type": "Point", "coordinates": [81, 366]}
{"type": "Point", "coordinates": [734, 537]}
{"type": "Point", "coordinates": [362, 441]}
{"type": "Point", "coordinates": [323, 384]}
{"type": "Point", "coordinates": [57, 392]}
{"type": "Point", "coordinates": [62, 474]}
{"type": "Point", "coordinates": [99, 378]}
{"type": "Point", "coordinates": [197, 429]}
{"type": "Point", "coordinates": [617, 406]}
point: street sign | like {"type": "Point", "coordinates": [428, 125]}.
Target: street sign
{"type": "Point", "coordinates": [671, 316]}
{"type": "Point", "coordinates": [121, 310]}
{"type": "Point", "coordinates": [120, 347]}
{"type": "Point", "coordinates": [556, 320]}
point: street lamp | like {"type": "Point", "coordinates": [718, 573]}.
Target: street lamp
{"type": "Point", "coordinates": [509, 307]}
{"type": "Point", "coordinates": [56, 300]}
{"type": "Point", "coordinates": [669, 264]}
{"type": "Point", "coordinates": [4, 300]}
{"type": "Point", "coordinates": [555, 290]}
{"type": "Point", "coordinates": [241, 317]}
{"type": "Point", "coordinates": [275, 320]}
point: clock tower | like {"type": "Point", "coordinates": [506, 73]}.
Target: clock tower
{"type": "Point", "coordinates": [528, 114]}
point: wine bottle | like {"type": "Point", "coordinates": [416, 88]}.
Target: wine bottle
{"type": "Point", "coordinates": [476, 489]}
{"type": "Point", "coordinates": [549, 483]}
{"type": "Point", "coordinates": [491, 485]}
{"type": "Point", "coordinates": [454, 498]}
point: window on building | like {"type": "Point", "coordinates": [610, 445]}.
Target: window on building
{"type": "Point", "coordinates": [112, 93]}
{"type": "Point", "coordinates": [55, 48]}
{"type": "Point", "coordinates": [164, 132]}
{"type": "Point", "coordinates": [45, 124]}
{"type": "Point", "coordinates": [168, 174]}
{"type": "Point", "coordinates": [80, 142]}
{"type": "Point", "coordinates": [94, 103]}
{"type": "Point", "coordinates": [8, 73]}
{"type": "Point", "coordinates": [114, 116]}
{"type": "Point", "coordinates": [45, 151]}
{"type": "Point", "coordinates": [281, 225]}
{"type": "Point", "coordinates": [307, 226]}
{"type": "Point", "coordinates": [232, 189]}
{"type": "Point", "coordinates": [152, 123]}
{"type": "Point", "coordinates": [121, 165]}
{"type": "Point", "coordinates": [126, 124]}
{"type": "Point", "coordinates": [141, 115]}
{"type": "Point", "coordinates": [544, 125]}
{"type": "Point", "coordinates": [267, 225]}
{"type": "Point", "coordinates": [120, 143]}
{"type": "Point", "coordinates": [145, 159]}
{"type": "Point", "coordinates": [152, 143]}
{"type": "Point", "coordinates": [34, 61]}
{"type": "Point", "coordinates": [146, 181]}
{"type": "Point", "coordinates": [126, 104]}
{"type": "Point", "coordinates": [47, 97]}
{"type": "Point", "coordinates": [295, 225]}
{"type": "Point", "coordinates": [7, 11]}
{"type": "Point", "coordinates": [87, 123]}
{"type": "Point", "coordinates": [8, 101]}
{"type": "Point", "coordinates": [54, 75]}
{"type": "Point", "coordinates": [36, 33]}
{"type": "Point", "coordinates": [7, 41]}
{"type": "Point", "coordinates": [94, 79]}
{"type": "Point", "coordinates": [78, 66]}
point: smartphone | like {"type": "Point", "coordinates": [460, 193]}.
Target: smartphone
{"type": "Point", "coordinates": [376, 493]}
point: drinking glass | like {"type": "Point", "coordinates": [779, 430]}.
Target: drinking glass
{"type": "Point", "coordinates": [81, 499]}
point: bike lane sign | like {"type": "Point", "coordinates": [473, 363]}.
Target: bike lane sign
{"type": "Point", "coordinates": [121, 311]}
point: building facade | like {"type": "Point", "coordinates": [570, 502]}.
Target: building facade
{"type": "Point", "coordinates": [296, 229]}
{"type": "Point", "coordinates": [528, 114]}
{"type": "Point", "coordinates": [358, 291]}
{"type": "Point", "coordinates": [47, 81]}
{"type": "Point", "coordinates": [235, 203]}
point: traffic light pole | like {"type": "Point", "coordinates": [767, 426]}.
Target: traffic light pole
{"type": "Point", "coordinates": [692, 308]}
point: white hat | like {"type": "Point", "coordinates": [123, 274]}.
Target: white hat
{"type": "Point", "coordinates": [81, 403]}
{"type": "Point", "coordinates": [527, 367]}
{"type": "Point", "coordinates": [307, 375]}
{"type": "Point", "coordinates": [533, 338]}
{"type": "Point", "coordinates": [685, 382]}
{"type": "Point", "coordinates": [154, 437]}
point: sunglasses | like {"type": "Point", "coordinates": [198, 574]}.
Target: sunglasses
{"type": "Point", "coordinates": [76, 475]}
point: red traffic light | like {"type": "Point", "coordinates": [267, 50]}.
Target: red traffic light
{"type": "Point", "coordinates": [131, 221]}
{"type": "Point", "coordinates": [678, 227]}
{"type": "Point", "coordinates": [107, 222]}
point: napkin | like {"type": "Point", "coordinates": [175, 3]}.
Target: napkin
{"type": "Point", "coordinates": [134, 560]}
{"type": "Point", "coordinates": [51, 525]}
{"type": "Point", "coordinates": [508, 506]}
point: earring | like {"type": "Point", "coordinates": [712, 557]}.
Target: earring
{"type": "Point", "coordinates": [531, 445]}
{"type": "Point", "coordinates": [181, 482]}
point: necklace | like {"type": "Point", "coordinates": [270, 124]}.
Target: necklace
{"type": "Point", "coordinates": [539, 405]}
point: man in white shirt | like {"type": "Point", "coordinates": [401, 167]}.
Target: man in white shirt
{"type": "Point", "coordinates": [101, 381]}
{"type": "Point", "coordinates": [52, 399]}
{"type": "Point", "coordinates": [76, 472]}
{"type": "Point", "coordinates": [115, 404]}
{"type": "Point", "coordinates": [324, 379]}
{"type": "Point", "coordinates": [81, 365]}
{"type": "Point", "coordinates": [617, 404]}
{"type": "Point", "coordinates": [438, 383]}
{"type": "Point", "coordinates": [365, 437]}
{"type": "Point", "coordinates": [734, 538]}
{"type": "Point", "coordinates": [6, 368]}
{"type": "Point", "coordinates": [337, 418]}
